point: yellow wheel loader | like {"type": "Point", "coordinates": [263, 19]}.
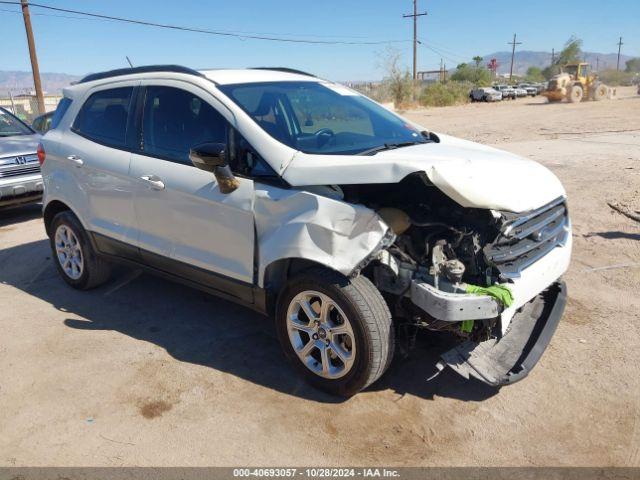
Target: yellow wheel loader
{"type": "Point", "coordinates": [576, 83]}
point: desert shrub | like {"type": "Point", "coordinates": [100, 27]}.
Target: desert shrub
{"type": "Point", "coordinates": [615, 78]}
{"type": "Point", "coordinates": [398, 86]}
{"type": "Point", "coordinates": [444, 94]}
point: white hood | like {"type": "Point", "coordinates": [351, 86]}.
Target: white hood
{"type": "Point", "coordinates": [473, 175]}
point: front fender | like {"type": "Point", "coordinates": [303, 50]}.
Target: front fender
{"type": "Point", "coordinates": [301, 224]}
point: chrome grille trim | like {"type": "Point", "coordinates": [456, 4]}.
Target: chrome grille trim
{"type": "Point", "coordinates": [525, 238]}
{"type": "Point", "coordinates": [23, 170]}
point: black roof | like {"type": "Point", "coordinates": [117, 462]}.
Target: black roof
{"type": "Point", "coordinates": [149, 68]}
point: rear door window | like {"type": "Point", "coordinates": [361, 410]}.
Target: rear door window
{"type": "Point", "coordinates": [103, 117]}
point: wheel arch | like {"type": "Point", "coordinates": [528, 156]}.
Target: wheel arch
{"type": "Point", "coordinates": [51, 209]}
{"type": "Point", "coordinates": [278, 272]}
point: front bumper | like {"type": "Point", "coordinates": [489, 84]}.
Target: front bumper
{"type": "Point", "coordinates": [22, 189]}
{"type": "Point", "coordinates": [509, 359]}
{"type": "Point", "coordinates": [526, 326]}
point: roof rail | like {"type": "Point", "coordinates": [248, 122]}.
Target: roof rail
{"type": "Point", "coordinates": [146, 69]}
{"type": "Point", "coordinates": [285, 70]}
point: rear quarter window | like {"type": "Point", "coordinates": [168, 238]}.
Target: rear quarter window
{"type": "Point", "coordinates": [103, 117]}
{"type": "Point", "coordinates": [62, 108]}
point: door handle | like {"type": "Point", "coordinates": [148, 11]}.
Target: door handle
{"type": "Point", "coordinates": [154, 181]}
{"type": "Point", "coordinates": [76, 159]}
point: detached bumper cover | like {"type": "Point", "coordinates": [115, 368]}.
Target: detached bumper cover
{"type": "Point", "coordinates": [511, 358]}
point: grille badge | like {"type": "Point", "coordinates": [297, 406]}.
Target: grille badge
{"type": "Point", "coordinates": [21, 160]}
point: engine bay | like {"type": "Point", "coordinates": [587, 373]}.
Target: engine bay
{"type": "Point", "coordinates": [436, 241]}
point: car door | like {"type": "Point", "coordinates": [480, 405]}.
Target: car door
{"type": "Point", "coordinates": [98, 158]}
{"type": "Point", "coordinates": [186, 226]}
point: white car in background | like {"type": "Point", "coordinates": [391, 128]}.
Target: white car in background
{"type": "Point", "coordinates": [507, 91]}
{"type": "Point", "coordinates": [531, 89]}
{"type": "Point", "coordinates": [302, 199]}
{"type": "Point", "coordinates": [520, 92]}
{"type": "Point", "coordinates": [485, 94]}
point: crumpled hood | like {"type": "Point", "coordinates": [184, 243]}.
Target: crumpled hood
{"type": "Point", "coordinates": [18, 145]}
{"type": "Point", "coordinates": [474, 175]}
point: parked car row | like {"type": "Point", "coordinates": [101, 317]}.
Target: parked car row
{"type": "Point", "coordinates": [503, 91]}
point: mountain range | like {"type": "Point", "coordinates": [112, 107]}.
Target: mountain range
{"type": "Point", "coordinates": [22, 82]}
{"type": "Point", "coordinates": [527, 58]}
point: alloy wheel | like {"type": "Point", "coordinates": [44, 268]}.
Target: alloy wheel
{"type": "Point", "coordinates": [69, 252]}
{"type": "Point", "coordinates": [321, 334]}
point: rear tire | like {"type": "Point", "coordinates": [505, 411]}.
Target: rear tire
{"type": "Point", "coordinates": [338, 363]}
{"type": "Point", "coordinates": [600, 92]}
{"type": "Point", "coordinates": [76, 261]}
{"type": "Point", "coordinates": [576, 94]}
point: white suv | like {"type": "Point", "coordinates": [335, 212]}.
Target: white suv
{"type": "Point", "coordinates": [305, 200]}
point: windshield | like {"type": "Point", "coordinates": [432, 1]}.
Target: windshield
{"type": "Point", "coordinates": [571, 69]}
{"type": "Point", "coordinates": [322, 118]}
{"type": "Point", "coordinates": [10, 125]}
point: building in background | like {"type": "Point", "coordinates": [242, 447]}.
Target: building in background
{"type": "Point", "coordinates": [25, 105]}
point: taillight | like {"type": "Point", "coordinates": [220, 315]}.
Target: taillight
{"type": "Point", "coordinates": [41, 154]}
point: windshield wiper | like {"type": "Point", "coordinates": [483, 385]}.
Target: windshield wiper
{"type": "Point", "coordinates": [388, 146]}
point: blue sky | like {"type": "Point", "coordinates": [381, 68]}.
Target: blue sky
{"type": "Point", "coordinates": [456, 28]}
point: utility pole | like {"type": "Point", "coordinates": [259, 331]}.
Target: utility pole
{"type": "Point", "coordinates": [513, 55]}
{"type": "Point", "coordinates": [619, 47]}
{"type": "Point", "coordinates": [32, 54]}
{"type": "Point", "coordinates": [597, 64]}
{"type": "Point", "coordinates": [415, 16]}
{"type": "Point", "coordinates": [553, 56]}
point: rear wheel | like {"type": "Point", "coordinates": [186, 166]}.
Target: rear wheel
{"type": "Point", "coordinates": [576, 93]}
{"type": "Point", "coordinates": [75, 259]}
{"type": "Point", "coordinates": [336, 331]}
{"type": "Point", "coordinates": [600, 92]}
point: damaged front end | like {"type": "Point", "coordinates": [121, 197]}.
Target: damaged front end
{"type": "Point", "coordinates": [490, 278]}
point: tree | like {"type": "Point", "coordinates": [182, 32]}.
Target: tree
{"type": "Point", "coordinates": [397, 77]}
{"type": "Point", "coordinates": [479, 76]}
{"type": "Point", "coordinates": [571, 53]}
{"type": "Point", "coordinates": [633, 65]}
{"type": "Point", "coordinates": [478, 60]}
{"type": "Point", "coordinates": [534, 74]}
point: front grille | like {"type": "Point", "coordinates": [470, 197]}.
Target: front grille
{"type": "Point", "coordinates": [525, 238]}
{"type": "Point", "coordinates": [16, 170]}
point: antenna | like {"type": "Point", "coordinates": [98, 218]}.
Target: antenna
{"type": "Point", "coordinates": [130, 64]}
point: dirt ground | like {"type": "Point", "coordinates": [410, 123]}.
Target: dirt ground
{"type": "Point", "coordinates": [145, 372]}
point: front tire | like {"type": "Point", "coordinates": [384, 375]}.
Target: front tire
{"type": "Point", "coordinates": [576, 94]}
{"type": "Point", "coordinates": [336, 331]}
{"type": "Point", "coordinates": [76, 261]}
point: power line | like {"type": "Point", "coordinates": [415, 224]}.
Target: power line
{"type": "Point", "coordinates": [439, 53]}
{"type": "Point", "coordinates": [238, 32]}
{"type": "Point", "coordinates": [448, 51]}
{"type": "Point", "coordinates": [271, 38]}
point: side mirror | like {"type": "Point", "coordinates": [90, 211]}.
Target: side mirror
{"type": "Point", "coordinates": [212, 157]}
{"type": "Point", "coordinates": [207, 156]}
